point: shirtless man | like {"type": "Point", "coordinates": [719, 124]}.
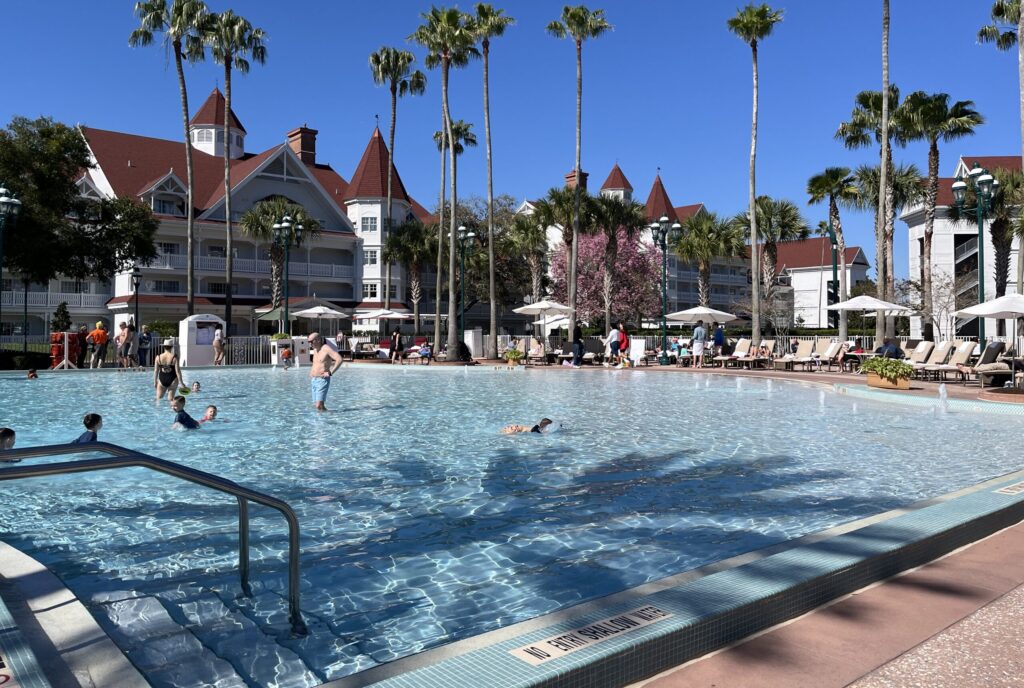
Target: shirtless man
{"type": "Point", "coordinates": [321, 371]}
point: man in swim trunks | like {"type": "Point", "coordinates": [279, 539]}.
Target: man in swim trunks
{"type": "Point", "coordinates": [539, 427]}
{"type": "Point", "coordinates": [322, 369]}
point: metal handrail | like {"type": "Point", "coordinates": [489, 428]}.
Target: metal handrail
{"type": "Point", "coordinates": [121, 457]}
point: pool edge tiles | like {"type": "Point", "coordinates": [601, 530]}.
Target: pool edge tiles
{"type": "Point", "coordinates": [18, 664]}
{"type": "Point", "coordinates": [627, 641]}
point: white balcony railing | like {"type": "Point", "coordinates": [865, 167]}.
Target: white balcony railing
{"type": "Point", "coordinates": [53, 299]}
{"type": "Point", "coordinates": [174, 261]}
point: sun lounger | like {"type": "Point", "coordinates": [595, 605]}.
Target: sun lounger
{"type": "Point", "coordinates": [830, 356]}
{"type": "Point", "coordinates": [755, 358]}
{"type": "Point", "coordinates": [938, 357]}
{"type": "Point", "coordinates": [920, 353]}
{"type": "Point", "coordinates": [960, 357]}
{"type": "Point", "coordinates": [742, 349]}
{"type": "Point", "coordinates": [988, 356]}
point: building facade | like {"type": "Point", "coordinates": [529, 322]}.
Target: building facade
{"type": "Point", "coordinates": [806, 266]}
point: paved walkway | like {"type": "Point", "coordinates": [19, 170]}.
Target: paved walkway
{"type": "Point", "coordinates": [954, 623]}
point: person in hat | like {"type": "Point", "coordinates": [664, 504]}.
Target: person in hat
{"type": "Point", "coordinates": [166, 372]}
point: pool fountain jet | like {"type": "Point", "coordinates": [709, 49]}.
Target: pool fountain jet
{"type": "Point", "coordinates": [821, 399]}
{"type": "Point", "coordinates": [943, 399]}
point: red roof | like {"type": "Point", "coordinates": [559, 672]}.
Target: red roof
{"type": "Point", "coordinates": [240, 169]}
{"type": "Point", "coordinates": [658, 203]}
{"type": "Point", "coordinates": [212, 112]}
{"type": "Point", "coordinates": [616, 180]}
{"type": "Point", "coordinates": [685, 212]}
{"type": "Point", "coordinates": [334, 184]}
{"type": "Point", "coordinates": [994, 162]}
{"type": "Point", "coordinates": [422, 214]}
{"type": "Point", "coordinates": [814, 252]}
{"type": "Point", "coordinates": [370, 178]}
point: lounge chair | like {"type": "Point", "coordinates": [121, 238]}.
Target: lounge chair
{"type": "Point", "coordinates": [537, 353]}
{"type": "Point", "coordinates": [920, 353]}
{"type": "Point", "coordinates": [742, 349]}
{"type": "Point", "coordinates": [683, 360]}
{"type": "Point", "coordinates": [938, 356]}
{"type": "Point", "coordinates": [804, 354]}
{"type": "Point", "coordinates": [754, 358]}
{"type": "Point", "coordinates": [988, 356]}
{"type": "Point", "coordinates": [830, 356]}
{"type": "Point", "coordinates": [593, 350]}
{"type": "Point", "coordinates": [960, 357]}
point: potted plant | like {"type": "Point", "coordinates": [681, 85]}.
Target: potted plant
{"type": "Point", "coordinates": [513, 356]}
{"type": "Point", "coordinates": [888, 373]}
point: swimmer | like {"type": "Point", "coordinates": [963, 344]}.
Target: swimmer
{"type": "Point", "coordinates": [195, 387]}
{"type": "Point", "coordinates": [539, 427]}
{"type": "Point", "coordinates": [32, 374]}
{"type": "Point", "coordinates": [182, 420]}
{"type": "Point", "coordinates": [211, 413]}
{"type": "Point", "coordinates": [7, 437]}
{"type": "Point", "coordinates": [92, 422]}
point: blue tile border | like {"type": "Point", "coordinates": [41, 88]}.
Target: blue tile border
{"type": "Point", "coordinates": [16, 659]}
{"type": "Point", "coordinates": [712, 611]}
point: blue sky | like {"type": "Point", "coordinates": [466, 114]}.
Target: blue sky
{"type": "Point", "coordinates": [669, 88]}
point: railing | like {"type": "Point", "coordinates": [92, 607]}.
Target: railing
{"type": "Point", "coordinates": [120, 457]}
{"type": "Point", "coordinates": [175, 261]}
{"type": "Point", "coordinates": [248, 351]}
{"type": "Point", "coordinates": [969, 280]}
{"type": "Point", "coordinates": [965, 249]}
{"type": "Point", "coordinates": [52, 299]}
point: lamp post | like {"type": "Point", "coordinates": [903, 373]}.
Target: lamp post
{"type": "Point", "coordinates": [834, 285]}
{"type": "Point", "coordinates": [136, 280]}
{"type": "Point", "coordinates": [662, 232]}
{"type": "Point", "coordinates": [465, 245]}
{"type": "Point", "coordinates": [984, 186]}
{"type": "Point", "coordinates": [9, 209]}
{"type": "Point", "coordinates": [285, 232]}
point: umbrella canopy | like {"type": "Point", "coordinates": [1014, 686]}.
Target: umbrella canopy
{"type": "Point", "coordinates": [383, 314]}
{"type": "Point", "coordinates": [544, 308]}
{"type": "Point", "coordinates": [869, 303]}
{"type": "Point", "coordinates": [692, 315]}
{"type": "Point", "coordinates": [1004, 308]}
{"type": "Point", "coordinates": [321, 312]}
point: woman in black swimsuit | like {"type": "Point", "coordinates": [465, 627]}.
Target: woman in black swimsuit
{"type": "Point", "coordinates": [166, 373]}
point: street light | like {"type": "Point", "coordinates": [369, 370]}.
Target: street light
{"type": "Point", "coordinates": [466, 238]}
{"type": "Point", "coordinates": [984, 186]}
{"type": "Point", "coordinates": [9, 209]}
{"type": "Point", "coordinates": [136, 280]}
{"type": "Point", "coordinates": [285, 232]}
{"type": "Point", "coordinates": [662, 232]}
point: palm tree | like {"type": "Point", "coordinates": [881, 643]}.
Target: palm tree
{"type": "Point", "coordinates": [489, 23]}
{"type": "Point", "coordinates": [410, 246]}
{"type": "Point", "coordinates": [704, 237]}
{"type": "Point", "coordinates": [1007, 30]}
{"type": "Point", "coordinates": [182, 25]}
{"type": "Point", "coordinates": [393, 67]}
{"type": "Point", "coordinates": [614, 216]}
{"type": "Point", "coordinates": [930, 117]}
{"type": "Point", "coordinates": [557, 209]}
{"type": "Point", "coordinates": [906, 183]}
{"type": "Point", "coordinates": [836, 185]}
{"type": "Point", "coordinates": [233, 41]}
{"type": "Point", "coordinates": [581, 24]}
{"type": "Point", "coordinates": [258, 223]}
{"type": "Point", "coordinates": [449, 42]}
{"type": "Point", "coordinates": [776, 221]}
{"type": "Point", "coordinates": [753, 24]}
{"type": "Point", "coordinates": [463, 137]}
{"type": "Point", "coordinates": [529, 238]}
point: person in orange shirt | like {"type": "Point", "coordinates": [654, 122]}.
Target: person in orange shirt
{"type": "Point", "coordinates": [98, 338]}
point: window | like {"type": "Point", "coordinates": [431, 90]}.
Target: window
{"type": "Point", "coordinates": [369, 257]}
{"type": "Point", "coordinates": [168, 248]}
{"type": "Point", "coordinates": [238, 140]}
{"type": "Point", "coordinates": [216, 251]}
{"type": "Point", "coordinates": [6, 284]}
{"type": "Point", "coordinates": [369, 291]}
{"type": "Point", "coordinates": [220, 137]}
{"type": "Point", "coordinates": [168, 286]}
{"type": "Point", "coordinates": [369, 224]}
{"type": "Point", "coordinates": [73, 287]}
{"type": "Point", "coordinates": [203, 136]}
{"type": "Point", "coordinates": [221, 288]}
{"type": "Point", "coordinates": [165, 206]}
{"type": "Point", "coordinates": [393, 291]}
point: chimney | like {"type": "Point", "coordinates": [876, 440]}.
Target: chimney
{"type": "Point", "coordinates": [570, 179]}
{"type": "Point", "coordinates": [302, 140]}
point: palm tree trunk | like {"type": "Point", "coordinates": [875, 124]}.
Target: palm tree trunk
{"type": "Point", "coordinates": [883, 181]}
{"type": "Point", "coordinates": [415, 294]}
{"type": "Point", "coordinates": [387, 210]}
{"type": "Point", "coordinates": [837, 228]}
{"type": "Point", "coordinates": [769, 258]}
{"type": "Point", "coordinates": [440, 253]}
{"type": "Point", "coordinates": [491, 347]}
{"type": "Point", "coordinates": [229, 257]}
{"type": "Point", "coordinates": [536, 277]}
{"type": "Point", "coordinates": [578, 188]}
{"type": "Point", "coordinates": [931, 196]}
{"type": "Point", "coordinates": [755, 263]}
{"type": "Point", "coordinates": [704, 284]}
{"type": "Point", "coordinates": [453, 331]}
{"type": "Point", "coordinates": [890, 232]}
{"type": "Point", "coordinates": [190, 294]}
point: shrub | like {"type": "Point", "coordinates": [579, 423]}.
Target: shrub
{"type": "Point", "coordinates": [888, 368]}
{"type": "Point", "coordinates": [164, 328]}
{"type": "Point", "coordinates": [61, 321]}
{"type": "Point", "coordinates": [513, 355]}
{"type": "Point", "coordinates": [280, 335]}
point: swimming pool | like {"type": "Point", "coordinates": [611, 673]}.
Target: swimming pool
{"type": "Point", "coordinates": [421, 524]}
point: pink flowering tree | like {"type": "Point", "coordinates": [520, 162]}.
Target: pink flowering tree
{"type": "Point", "coordinates": [636, 280]}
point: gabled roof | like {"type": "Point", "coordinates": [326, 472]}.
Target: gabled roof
{"type": "Point", "coordinates": [616, 180]}
{"type": "Point", "coordinates": [212, 112]}
{"type": "Point", "coordinates": [685, 212]}
{"type": "Point", "coordinates": [658, 202]}
{"type": "Point", "coordinates": [334, 184]}
{"type": "Point", "coordinates": [815, 252]}
{"type": "Point", "coordinates": [370, 178]}
{"type": "Point", "coordinates": [240, 169]}
{"type": "Point", "coordinates": [421, 213]}
{"type": "Point", "coordinates": [993, 162]}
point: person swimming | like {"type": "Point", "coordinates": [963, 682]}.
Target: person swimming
{"type": "Point", "coordinates": [540, 427]}
{"type": "Point", "coordinates": [182, 420]}
{"type": "Point", "coordinates": [211, 413]}
{"type": "Point", "coordinates": [93, 422]}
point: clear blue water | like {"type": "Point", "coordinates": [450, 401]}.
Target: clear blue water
{"type": "Point", "coordinates": [421, 524]}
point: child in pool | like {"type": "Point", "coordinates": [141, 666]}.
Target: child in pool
{"type": "Point", "coordinates": [182, 421]}
{"type": "Point", "coordinates": [211, 414]}
{"type": "Point", "coordinates": [92, 422]}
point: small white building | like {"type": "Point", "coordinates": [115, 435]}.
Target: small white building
{"type": "Point", "coordinates": [807, 266]}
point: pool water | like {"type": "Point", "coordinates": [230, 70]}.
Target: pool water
{"type": "Point", "coordinates": [422, 524]}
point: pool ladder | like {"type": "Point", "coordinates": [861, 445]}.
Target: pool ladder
{"type": "Point", "coordinates": [120, 457]}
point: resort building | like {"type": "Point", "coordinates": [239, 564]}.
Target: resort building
{"type": "Point", "coordinates": [342, 265]}
{"type": "Point", "coordinates": [955, 254]}
{"type": "Point", "coordinates": [806, 267]}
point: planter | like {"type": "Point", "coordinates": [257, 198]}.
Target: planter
{"type": "Point", "coordinates": [882, 383]}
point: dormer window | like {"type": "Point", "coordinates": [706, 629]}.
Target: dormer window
{"type": "Point", "coordinates": [168, 206]}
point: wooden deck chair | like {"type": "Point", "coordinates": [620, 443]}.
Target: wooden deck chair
{"type": "Point", "coordinates": [742, 349]}
{"type": "Point", "coordinates": [938, 356]}
{"type": "Point", "coordinates": [960, 357]}
{"type": "Point", "coordinates": [921, 352]}
{"type": "Point", "coordinates": [803, 354]}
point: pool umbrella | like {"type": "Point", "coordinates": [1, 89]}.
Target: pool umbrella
{"type": "Point", "coordinates": [544, 309]}
{"type": "Point", "coordinates": [692, 315]}
{"type": "Point", "coordinates": [870, 303]}
{"type": "Point", "coordinates": [1009, 307]}
{"type": "Point", "coordinates": [383, 314]}
{"type": "Point", "coordinates": [320, 313]}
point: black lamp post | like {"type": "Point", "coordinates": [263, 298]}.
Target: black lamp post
{"type": "Point", "coordinates": [9, 209]}
{"type": "Point", "coordinates": [662, 232]}
{"type": "Point", "coordinates": [984, 186]}
{"type": "Point", "coordinates": [136, 280]}
{"type": "Point", "coordinates": [285, 232]}
{"type": "Point", "coordinates": [466, 238]}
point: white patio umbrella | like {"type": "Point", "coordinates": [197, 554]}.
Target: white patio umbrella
{"type": "Point", "coordinates": [692, 315]}
{"type": "Point", "coordinates": [383, 314]}
{"type": "Point", "coordinates": [870, 303]}
{"type": "Point", "coordinates": [321, 313]}
{"type": "Point", "coordinates": [545, 309]}
{"type": "Point", "coordinates": [1009, 307]}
